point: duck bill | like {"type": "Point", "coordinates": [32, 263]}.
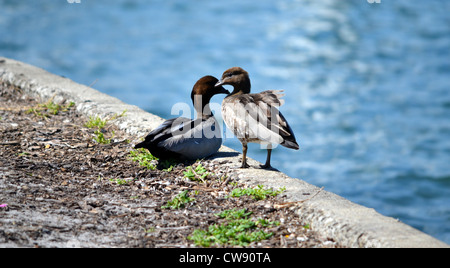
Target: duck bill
{"type": "Point", "coordinates": [222, 89]}
{"type": "Point", "coordinates": [219, 83]}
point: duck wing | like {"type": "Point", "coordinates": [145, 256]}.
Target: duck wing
{"type": "Point", "coordinates": [202, 140]}
{"type": "Point", "coordinates": [184, 138]}
{"type": "Point", "coordinates": [162, 133]}
{"type": "Point", "coordinates": [255, 117]}
{"type": "Point", "coordinates": [269, 115]}
{"type": "Point", "coordinates": [271, 97]}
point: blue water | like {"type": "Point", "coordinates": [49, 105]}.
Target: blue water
{"type": "Point", "coordinates": [367, 85]}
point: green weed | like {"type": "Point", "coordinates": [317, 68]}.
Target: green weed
{"type": "Point", "coordinates": [179, 201]}
{"type": "Point", "coordinates": [100, 137]}
{"type": "Point", "coordinates": [238, 230]}
{"type": "Point", "coordinates": [234, 214]}
{"type": "Point", "coordinates": [257, 193]}
{"type": "Point", "coordinates": [23, 154]}
{"type": "Point", "coordinates": [150, 230]}
{"type": "Point", "coordinates": [198, 173]}
{"type": "Point", "coordinates": [144, 158]}
{"type": "Point", "coordinates": [49, 108]}
{"type": "Point", "coordinates": [169, 169]}
{"type": "Point", "coordinates": [120, 181]}
{"type": "Point", "coordinates": [99, 125]}
{"type": "Point", "coordinates": [96, 122]}
{"type": "Point", "coordinates": [168, 164]}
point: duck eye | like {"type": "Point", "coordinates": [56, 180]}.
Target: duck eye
{"type": "Point", "coordinates": [230, 74]}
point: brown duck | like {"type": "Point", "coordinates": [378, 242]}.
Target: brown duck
{"type": "Point", "coordinates": [185, 138]}
{"type": "Point", "coordinates": [254, 117]}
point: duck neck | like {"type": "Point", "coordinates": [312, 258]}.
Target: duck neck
{"type": "Point", "coordinates": [203, 115]}
{"type": "Point", "coordinates": [242, 87]}
{"type": "Point", "coordinates": [201, 105]}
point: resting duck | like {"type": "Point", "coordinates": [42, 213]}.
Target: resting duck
{"type": "Point", "coordinates": [254, 117]}
{"type": "Point", "coordinates": [186, 138]}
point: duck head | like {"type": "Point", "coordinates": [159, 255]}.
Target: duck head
{"type": "Point", "coordinates": [238, 78]}
{"type": "Point", "coordinates": [203, 91]}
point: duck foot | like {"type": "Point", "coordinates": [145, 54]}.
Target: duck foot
{"type": "Point", "coordinates": [265, 166]}
{"type": "Point", "coordinates": [244, 165]}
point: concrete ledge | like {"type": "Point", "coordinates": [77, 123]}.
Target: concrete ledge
{"type": "Point", "coordinates": [350, 224]}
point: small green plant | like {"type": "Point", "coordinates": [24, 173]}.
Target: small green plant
{"type": "Point", "coordinates": [100, 137]}
{"type": "Point", "coordinates": [115, 116]}
{"type": "Point", "coordinates": [100, 124]}
{"type": "Point", "coordinates": [144, 158]}
{"type": "Point", "coordinates": [167, 164]}
{"type": "Point", "coordinates": [96, 122]}
{"type": "Point", "coordinates": [120, 181]}
{"type": "Point", "coordinates": [196, 174]}
{"type": "Point", "coordinates": [234, 214]}
{"type": "Point", "coordinates": [169, 169]}
{"type": "Point", "coordinates": [23, 154]}
{"type": "Point", "coordinates": [49, 108]}
{"type": "Point", "coordinates": [238, 230]}
{"type": "Point", "coordinates": [54, 108]}
{"type": "Point", "coordinates": [149, 230]}
{"type": "Point", "coordinates": [179, 201]}
{"type": "Point", "coordinates": [257, 193]}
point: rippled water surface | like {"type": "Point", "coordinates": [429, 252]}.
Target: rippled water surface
{"type": "Point", "coordinates": [367, 85]}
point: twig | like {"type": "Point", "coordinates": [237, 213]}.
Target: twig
{"type": "Point", "coordinates": [206, 189]}
{"type": "Point", "coordinates": [199, 176]}
{"type": "Point", "coordinates": [15, 109]}
{"type": "Point", "coordinates": [174, 228]}
{"type": "Point", "coordinates": [226, 181]}
{"type": "Point", "coordinates": [296, 203]}
{"type": "Point", "coordinates": [10, 143]}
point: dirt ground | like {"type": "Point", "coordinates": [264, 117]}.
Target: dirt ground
{"type": "Point", "coordinates": [60, 188]}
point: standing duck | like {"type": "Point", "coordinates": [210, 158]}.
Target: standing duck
{"type": "Point", "coordinates": [186, 138]}
{"type": "Point", "coordinates": [254, 117]}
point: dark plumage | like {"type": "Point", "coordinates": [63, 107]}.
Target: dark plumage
{"type": "Point", "coordinates": [255, 117]}
{"type": "Point", "coordinates": [186, 138]}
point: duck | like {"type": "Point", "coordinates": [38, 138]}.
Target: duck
{"type": "Point", "coordinates": [184, 138]}
{"type": "Point", "coordinates": [255, 118]}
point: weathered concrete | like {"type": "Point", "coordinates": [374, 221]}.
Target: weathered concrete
{"type": "Point", "coordinates": [336, 217]}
